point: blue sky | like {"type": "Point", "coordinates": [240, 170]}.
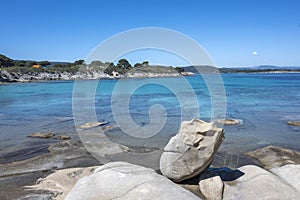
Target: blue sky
{"type": "Point", "coordinates": [234, 33]}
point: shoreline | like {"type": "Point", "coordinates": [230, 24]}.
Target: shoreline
{"type": "Point", "coordinates": [136, 77]}
{"type": "Point", "coordinates": [14, 184]}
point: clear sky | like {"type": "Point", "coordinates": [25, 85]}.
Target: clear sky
{"type": "Point", "coordinates": [234, 33]}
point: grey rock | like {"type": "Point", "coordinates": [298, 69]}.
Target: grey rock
{"type": "Point", "coordinates": [259, 184]}
{"type": "Point", "coordinates": [273, 157]}
{"type": "Point", "coordinates": [190, 151]}
{"type": "Point", "coordinates": [290, 174]}
{"type": "Point", "coordinates": [212, 188]}
{"type": "Point", "coordinates": [119, 180]}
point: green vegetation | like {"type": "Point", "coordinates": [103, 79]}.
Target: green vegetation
{"type": "Point", "coordinates": [179, 69]}
{"type": "Point", "coordinates": [122, 67]}
{"type": "Point", "coordinates": [5, 61]}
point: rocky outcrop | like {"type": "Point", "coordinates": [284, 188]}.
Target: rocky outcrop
{"type": "Point", "coordinates": [7, 77]}
{"type": "Point", "coordinates": [257, 183]}
{"type": "Point", "coordinates": [274, 157]}
{"type": "Point", "coordinates": [119, 180]}
{"type": "Point", "coordinates": [190, 151]}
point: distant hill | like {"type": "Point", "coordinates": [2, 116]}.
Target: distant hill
{"type": "Point", "coordinates": [201, 69]}
{"type": "Point", "coordinates": [275, 67]}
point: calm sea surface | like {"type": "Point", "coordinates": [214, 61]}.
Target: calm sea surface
{"type": "Point", "coordinates": [263, 102]}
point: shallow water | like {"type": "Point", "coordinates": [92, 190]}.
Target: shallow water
{"type": "Point", "coordinates": [264, 103]}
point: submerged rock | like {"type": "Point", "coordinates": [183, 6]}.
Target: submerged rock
{"type": "Point", "coordinates": [294, 123]}
{"type": "Point", "coordinates": [42, 135]}
{"type": "Point", "coordinates": [120, 180]}
{"type": "Point", "coordinates": [49, 136]}
{"type": "Point", "coordinates": [190, 151]}
{"type": "Point", "coordinates": [62, 137]}
{"type": "Point", "coordinates": [92, 124]}
{"type": "Point", "coordinates": [61, 155]}
{"type": "Point", "coordinates": [229, 121]}
{"type": "Point", "coordinates": [273, 157]}
{"type": "Point", "coordinates": [257, 183]}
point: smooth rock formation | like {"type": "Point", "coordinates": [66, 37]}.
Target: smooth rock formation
{"type": "Point", "coordinates": [190, 151]}
{"type": "Point", "coordinates": [273, 157]}
{"type": "Point", "coordinates": [61, 155]}
{"type": "Point", "coordinates": [42, 135]}
{"type": "Point", "coordinates": [258, 184]}
{"type": "Point", "coordinates": [290, 174]}
{"type": "Point", "coordinates": [211, 188]}
{"type": "Point", "coordinates": [119, 180]}
{"type": "Point", "coordinates": [294, 123]}
{"type": "Point", "coordinates": [60, 183]}
{"type": "Point", "coordinates": [229, 121]}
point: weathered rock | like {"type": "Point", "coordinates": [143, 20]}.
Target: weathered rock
{"type": "Point", "coordinates": [294, 123]}
{"type": "Point", "coordinates": [119, 180]}
{"type": "Point", "coordinates": [212, 188]}
{"type": "Point", "coordinates": [290, 174]}
{"type": "Point", "coordinates": [257, 183]}
{"type": "Point", "coordinates": [60, 183]}
{"type": "Point", "coordinates": [190, 151]}
{"type": "Point", "coordinates": [229, 121]}
{"type": "Point", "coordinates": [273, 157]}
{"type": "Point", "coordinates": [42, 135]}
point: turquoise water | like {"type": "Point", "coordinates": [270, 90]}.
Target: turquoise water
{"type": "Point", "coordinates": [264, 103]}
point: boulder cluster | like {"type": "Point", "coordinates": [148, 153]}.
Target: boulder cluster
{"type": "Point", "coordinates": [187, 156]}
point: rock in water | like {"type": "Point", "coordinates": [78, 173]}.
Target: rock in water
{"type": "Point", "coordinates": [257, 183]}
{"type": "Point", "coordinates": [42, 135]}
{"type": "Point", "coordinates": [229, 121]}
{"type": "Point", "coordinates": [294, 123]}
{"type": "Point", "coordinates": [274, 157]}
{"type": "Point", "coordinates": [120, 180]}
{"type": "Point", "coordinates": [190, 151]}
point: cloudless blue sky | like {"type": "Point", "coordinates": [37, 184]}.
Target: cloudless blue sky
{"type": "Point", "coordinates": [231, 31]}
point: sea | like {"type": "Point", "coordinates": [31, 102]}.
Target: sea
{"type": "Point", "coordinates": [155, 107]}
